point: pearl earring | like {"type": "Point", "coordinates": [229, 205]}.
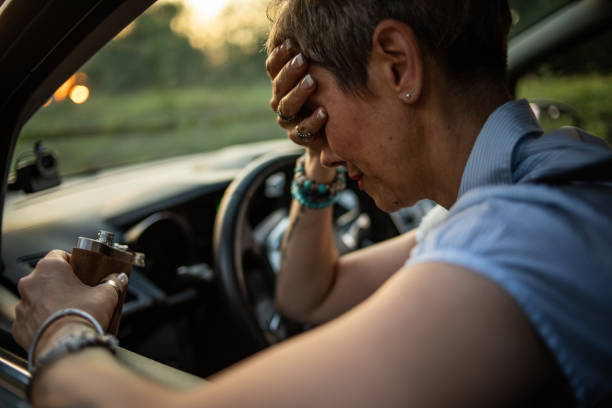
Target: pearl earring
{"type": "Point", "coordinates": [408, 95]}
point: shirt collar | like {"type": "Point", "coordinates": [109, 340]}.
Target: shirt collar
{"type": "Point", "coordinates": [490, 161]}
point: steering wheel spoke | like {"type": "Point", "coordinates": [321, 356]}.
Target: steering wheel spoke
{"type": "Point", "coordinates": [248, 238]}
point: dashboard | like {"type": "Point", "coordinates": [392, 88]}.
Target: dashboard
{"type": "Point", "coordinates": [175, 312]}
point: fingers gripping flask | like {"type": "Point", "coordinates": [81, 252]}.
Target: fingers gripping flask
{"type": "Point", "coordinates": [94, 259]}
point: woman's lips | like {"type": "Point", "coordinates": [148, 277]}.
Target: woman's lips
{"type": "Point", "coordinates": [358, 178]}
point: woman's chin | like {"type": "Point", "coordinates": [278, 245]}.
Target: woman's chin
{"type": "Point", "coordinates": [391, 202]}
{"type": "Point", "coordinates": [386, 204]}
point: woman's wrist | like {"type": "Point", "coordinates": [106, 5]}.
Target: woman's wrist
{"type": "Point", "coordinates": [65, 332]}
{"type": "Point", "coordinates": [62, 327]}
{"type": "Point", "coordinates": [314, 170]}
{"type": "Point", "coordinates": [313, 194]}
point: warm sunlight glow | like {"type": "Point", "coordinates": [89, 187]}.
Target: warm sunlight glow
{"type": "Point", "coordinates": [64, 90]}
{"type": "Point", "coordinates": [211, 25]}
{"type": "Point", "coordinates": [79, 94]}
{"type": "Point", "coordinates": [126, 31]}
{"type": "Point", "coordinates": [206, 10]}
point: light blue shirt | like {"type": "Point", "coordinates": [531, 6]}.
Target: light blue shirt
{"type": "Point", "coordinates": [549, 247]}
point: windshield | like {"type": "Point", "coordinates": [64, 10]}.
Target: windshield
{"type": "Point", "coordinates": [187, 76]}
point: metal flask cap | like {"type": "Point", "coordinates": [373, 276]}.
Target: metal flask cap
{"type": "Point", "coordinates": [104, 245]}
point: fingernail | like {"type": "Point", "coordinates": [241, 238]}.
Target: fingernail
{"type": "Point", "coordinates": [321, 113]}
{"type": "Point", "coordinates": [287, 44]}
{"type": "Point", "coordinates": [308, 81]}
{"type": "Point", "coordinates": [123, 279]}
{"type": "Point", "coordinates": [298, 60]}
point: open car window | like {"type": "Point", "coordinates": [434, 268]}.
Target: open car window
{"type": "Point", "coordinates": [185, 77]}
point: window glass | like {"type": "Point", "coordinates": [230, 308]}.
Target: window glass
{"type": "Point", "coordinates": [185, 77]}
{"type": "Point", "coordinates": [574, 87]}
{"type": "Point", "coordinates": [188, 76]}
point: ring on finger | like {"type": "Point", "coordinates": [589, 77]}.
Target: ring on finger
{"type": "Point", "coordinates": [305, 136]}
{"type": "Point", "coordinates": [284, 117]}
{"type": "Point", "coordinates": [115, 286]}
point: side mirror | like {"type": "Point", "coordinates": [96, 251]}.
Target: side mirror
{"type": "Point", "coordinates": [552, 114]}
{"type": "Point", "coordinates": [36, 170]}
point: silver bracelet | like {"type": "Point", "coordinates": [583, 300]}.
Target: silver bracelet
{"type": "Point", "coordinates": [68, 343]}
{"type": "Point", "coordinates": [55, 316]}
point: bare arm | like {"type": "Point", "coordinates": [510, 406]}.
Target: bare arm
{"type": "Point", "coordinates": [93, 378]}
{"type": "Point", "coordinates": [433, 335]}
{"type": "Point", "coordinates": [316, 284]}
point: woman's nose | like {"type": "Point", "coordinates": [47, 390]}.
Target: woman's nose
{"type": "Point", "coordinates": [329, 158]}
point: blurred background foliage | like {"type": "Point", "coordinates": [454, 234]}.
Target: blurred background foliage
{"type": "Point", "coordinates": [168, 85]}
{"type": "Point", "coordinates": [164, 51]}
{"type": "Point", "coordinates": [165, 86]}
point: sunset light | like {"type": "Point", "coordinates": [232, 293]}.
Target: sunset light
{"type": "Point", "coordinates": [64, 90]}
{"type": "Point", "coordinates": [206, 10]}
{"type": "Point", "coordinates": [213, 24]}
{"type": "Point", "coordinates": [74, 88]}
{"type": "Point", "coordinates": [79, 94]}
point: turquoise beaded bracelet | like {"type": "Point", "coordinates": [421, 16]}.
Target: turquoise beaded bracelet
{"type": "Point", "coordinates": [316, 195]}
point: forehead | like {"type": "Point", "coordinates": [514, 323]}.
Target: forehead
{"type": "Point", "coordinates": [328, 88]}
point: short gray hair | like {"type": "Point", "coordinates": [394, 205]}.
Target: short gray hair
{"type": "Point", "coordinates": [466, 38]}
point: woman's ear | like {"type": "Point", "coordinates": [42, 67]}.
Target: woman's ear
{"type": "Point", "coordinates": [396, 56]}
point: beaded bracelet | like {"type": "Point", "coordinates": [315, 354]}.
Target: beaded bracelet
{"type": "Point", "coordinates": [312, 194]}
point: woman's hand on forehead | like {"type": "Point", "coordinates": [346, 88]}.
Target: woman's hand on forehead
{"type": "Point", "coordinates": [292, 88]}
{"type": "Point", "coordinates": [279, 57]}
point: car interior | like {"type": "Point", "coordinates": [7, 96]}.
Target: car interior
{"type": "Point", "coordinates": [210, 224]}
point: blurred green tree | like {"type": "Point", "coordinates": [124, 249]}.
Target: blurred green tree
{"type": "Point", "coordinates": [147, 53]}
{"type": "Point", "coordinates": [152, 53]}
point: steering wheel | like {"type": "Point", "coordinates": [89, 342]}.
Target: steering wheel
{"type": "Point", "coordinates": [250, 223]}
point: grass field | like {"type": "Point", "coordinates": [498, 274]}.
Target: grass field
{"type": "Point", "coordinates": [590, 96]}
{"type": "Point", "coordinates": [112, 130]}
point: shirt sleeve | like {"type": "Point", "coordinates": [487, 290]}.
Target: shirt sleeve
{"type": "Point", "coordinates": [552, 255]}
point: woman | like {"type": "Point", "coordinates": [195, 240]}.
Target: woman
{"type": "Point", "coordinates": [410, 97]}
{"type": "Point", "coordinates": [390, 129]}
